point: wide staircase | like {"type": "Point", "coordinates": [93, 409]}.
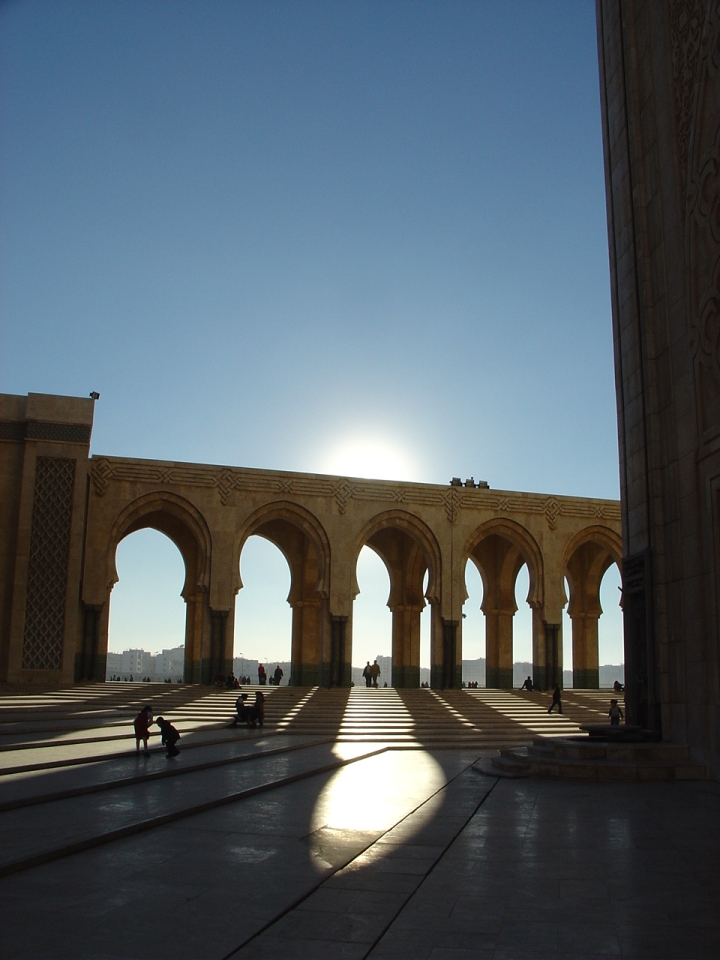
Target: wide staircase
{"type": "Point", "coordinates": [71, 752]}
{"type": "Point", "coordinates": [82, 724]}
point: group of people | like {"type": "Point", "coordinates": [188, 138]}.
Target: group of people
{"type": "Point", "coordinates": [253, 714]}
{"type": "Point", "coordinates": [370, 673]}
{"type": "Point", "coordinates": [169, 735]}
{"type": "Point", "coordinates": [274, 680]}
{"type": "Point", "coordinates": [470, 685]}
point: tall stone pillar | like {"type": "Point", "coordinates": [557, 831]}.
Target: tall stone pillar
{"type": "Point", "coordinates": [406, 645]}
{"type": "Point", "coordinates": [339, 671]}
{"type": "Point", "coordinates": [306, 631]}
{"type": "Point", "coordinates": [586, 669]}
{"type": "Point", "coordinates": [498, 646]}
{"type": "Point", "coordinates": [446, 672]}
{"type": "Point", "coordinates": [553, 655]}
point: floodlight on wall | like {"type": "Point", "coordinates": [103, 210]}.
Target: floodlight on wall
{"type": "Point", "coordinates": [94, 395]}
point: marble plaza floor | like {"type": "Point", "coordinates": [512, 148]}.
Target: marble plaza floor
{"type": "Point", "coordinates": [269, 844]}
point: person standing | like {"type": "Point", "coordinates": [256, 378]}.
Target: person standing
{"type": "Point", "coordinates": [367, 674]}
{"type": "Point", "coordinates": [556, 700]}
{"type": "Point", "coordinates": [278, 675]}
{"type": "Point", "coordinates": [615, 713]}
{"type": "Point", "coordinates": [262, 675]}
{"type": "Point", "coordinates": [143, 721]}
{"type": "Point", "coordinates": [375, 673]}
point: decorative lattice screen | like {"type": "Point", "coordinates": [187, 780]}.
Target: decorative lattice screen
{"type": "Point", "coordinates": [48, 564]}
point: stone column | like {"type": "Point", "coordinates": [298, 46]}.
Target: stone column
{"type": "Point", "coordinates": [586, 670]}
{"type": "Point", "coordinates": [406, 644]}
{"type": "Point", "coordinates": [553, 655]}
{"type": "Point", "coordinates": [340, 668]}
{"type": "Point", "coordinates": [499, 646]}
{"type": "Point", "coordinates": [89, 664]}
{"type": "Point", "coordinates": [446, 674]}
{"type": "Point", "coordinates": [305, 657]}
{"type": "Point", "coordinates": [540, 678]}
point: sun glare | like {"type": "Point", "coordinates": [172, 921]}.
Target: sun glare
{"type": "Point", "coordinates": [374, 458]}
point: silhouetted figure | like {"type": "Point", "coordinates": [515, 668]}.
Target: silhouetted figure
{"type": "Point", "coordinates": [170, 736]}
{"type": "Point", "coordinates": [556, 700]}
{"type": "Point", "coordinates": [241, 710]}
{"type": "Point", "coordinates": [528, 685]}
{"type": "Point", "coordinates": [256, 713]}
{"type": "Point", "coordinates": [618, 687]}
{"type": "Point", "coordinates": [142, 723]}
{"type": "Point", "coordinates": [278, 675]}
{"type": "Point", "coordinates": [367, 674]}
{"type": "Point", "coordinates": [375, 673]}
{"type": "Point", "coordinates": [262, 675]}
{"type": "Point", "coordinates": [615, 713]}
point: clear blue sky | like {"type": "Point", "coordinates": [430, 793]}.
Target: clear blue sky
{"type": "Point", "coordinates": [304, 235]}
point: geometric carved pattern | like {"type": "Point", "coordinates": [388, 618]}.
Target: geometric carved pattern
{"type": "Point", "coordinates": [47, 567]}
{"type": "Point", "coordinates": [38, 430]}
{"type": "Point", "coordinates": [227, 480]}
{"type": "Point", "coordinates": [64, 432]}
{"type": "Point", "coordinates": [12, 430]}
{"type": "Point", "coordinates": [687, 18]}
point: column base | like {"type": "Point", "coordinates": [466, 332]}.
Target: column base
{"type": "Point", "coordinates": [586, 679]}
{"type": "Point", "coordinates": [93, 671]}
{"type": "Point", "coordinates": [305, 675]}
{"type": "Point", "coordinates": [406, 677]}
{"type": "Point", "coordinates": [325, 675]}
{"type": "Point", "coordinates": [499, 678]}
{"type": "Point", "coordinates": [437, 677]}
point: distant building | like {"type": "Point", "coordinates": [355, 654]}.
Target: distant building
{"type": "Point", "coordinates": [138, 664]}
{"type": "Point", "coordinates": [385, 664]}
{"type": "Point", "coordinates": [244, 667]}
{"type": "Point", "coordinates": [170, 664]}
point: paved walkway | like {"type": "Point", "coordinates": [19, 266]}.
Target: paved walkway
{"type": "Point", "coordinates": [282, 844]}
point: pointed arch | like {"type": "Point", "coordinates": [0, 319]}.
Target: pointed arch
{"type": "Point", "coordinates": [525, 543]}
{"type": "Point", "coordinates": [599, 534]}
{"type": "Point", "coordinates": [179, 520]}
{"type": "Point", "coordinates": [296, 517]}
{"type": "Point", "coordinates": [419, 532]}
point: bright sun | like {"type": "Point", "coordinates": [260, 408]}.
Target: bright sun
{"type": "Point", "coordinates": [371, 457]}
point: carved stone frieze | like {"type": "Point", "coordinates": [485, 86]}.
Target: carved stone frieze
{"type": "Point", "coordinates": [341, 490]}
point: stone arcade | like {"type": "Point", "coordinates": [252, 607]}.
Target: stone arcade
{"type": "Point", "coordinates": [64, 514]}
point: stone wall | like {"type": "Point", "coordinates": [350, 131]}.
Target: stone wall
{"type": "Point", "coordinates": [660, 88]}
